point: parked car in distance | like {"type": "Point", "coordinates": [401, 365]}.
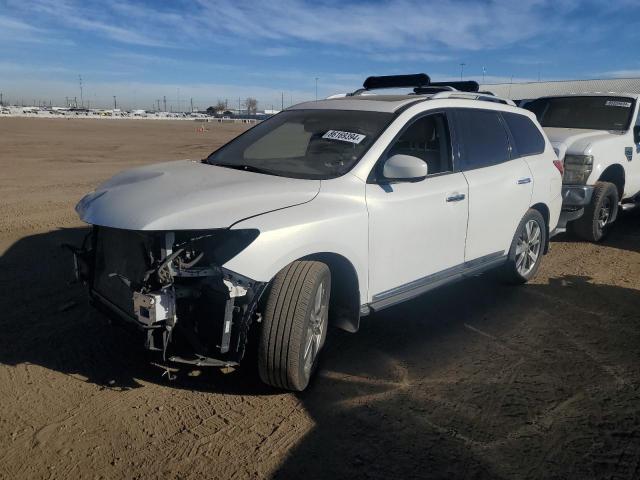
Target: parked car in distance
{"type": "Point", "coordinates": [318, 216]}
{"type": "Point", "coordinates": [598, 137]}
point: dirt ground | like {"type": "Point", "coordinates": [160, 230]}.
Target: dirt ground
{"type": "Point", "coordinates": [476, 380]}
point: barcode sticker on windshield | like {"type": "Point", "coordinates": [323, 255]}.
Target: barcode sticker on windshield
{"type": "Point", "coordinates": [344, 136]}
{"type": "Point", "coordinates": [613, 103]}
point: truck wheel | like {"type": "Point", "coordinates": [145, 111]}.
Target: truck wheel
{"type": "Point", "coordinates": [598, 215]}
{"type": "Point", "coordinates": [527, 248]}
{"type": "Point", "coordinates": [294, 325]}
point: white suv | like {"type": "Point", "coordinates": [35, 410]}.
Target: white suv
{"type": "Point", "coordinates": [320, 215]}
{"type": "Point", "coordinates": [598, 137]}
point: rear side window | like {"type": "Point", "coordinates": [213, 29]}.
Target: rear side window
{"type": "Point", "coordinates": [485, 140]}
{"type": "Point", "coordinates": [528, 139]}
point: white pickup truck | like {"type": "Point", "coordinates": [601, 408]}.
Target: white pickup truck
{"type": "Point", "coordinates": [598, 137]}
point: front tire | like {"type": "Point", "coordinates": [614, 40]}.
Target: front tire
{"type": "Point", "coordinates": [294, 325]}
{"type": "Point", "coordinates": [527, 248]}
{"type": "Point", "coordinates": [594, 224]}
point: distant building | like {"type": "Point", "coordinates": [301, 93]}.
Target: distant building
{"type": "Point", "coordinates": [529, 90]}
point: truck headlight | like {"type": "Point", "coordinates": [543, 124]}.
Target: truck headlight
{"type": "Point", "coordinates": [577, 169]}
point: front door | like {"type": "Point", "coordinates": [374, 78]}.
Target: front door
{"type": "Point", "coordinates": [417, 229]}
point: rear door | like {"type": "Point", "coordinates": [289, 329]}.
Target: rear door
{"type": "Point", "coordinates": [500, 186]}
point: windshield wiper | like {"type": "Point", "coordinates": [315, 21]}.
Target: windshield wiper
{"type": "Point", "coordinates": [245, 167]}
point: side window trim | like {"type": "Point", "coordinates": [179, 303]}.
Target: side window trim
{"type": "Point", "coordinates": [513, 146]}
{"type": "Point", "coordinates": [446, 112]}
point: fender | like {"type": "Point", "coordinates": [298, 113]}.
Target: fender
{"type": "Point", "coordinates": [336, 221]}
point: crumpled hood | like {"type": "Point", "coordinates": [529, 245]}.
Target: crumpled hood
{"type": "Point", "coordinates": [574, 140]}
{"type": "Point", "coordinates": [189, 195]}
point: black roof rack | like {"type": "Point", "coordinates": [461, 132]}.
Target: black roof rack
{"type": "Point", "coordinates": [422, 85]}
{"type": "Point", "coordinates": [397, 81]}
{"type": "Point", "coordinates": [420, 82]}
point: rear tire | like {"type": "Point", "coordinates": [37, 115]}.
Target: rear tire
{"type": "Point", "coordinates": [527, 248]}
{"type": "Point", "coordinates": [598, 216]}
{"type": "Point", "coordinates": [294, 325]}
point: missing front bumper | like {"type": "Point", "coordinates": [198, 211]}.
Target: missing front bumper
{"type": "Point", "coordinates": [198, 315]}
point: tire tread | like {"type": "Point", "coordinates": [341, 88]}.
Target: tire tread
{"type": "Point", "coordinates": [283, 324]}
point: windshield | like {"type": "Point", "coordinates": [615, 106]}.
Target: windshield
{"type": "Point", "coordinates": [594, 113]}
{"type": "Point", "coordinates": [311, 144]}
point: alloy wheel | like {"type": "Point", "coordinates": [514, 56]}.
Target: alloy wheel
{"type": "Point", "coordinates": [316, 328]}
{"type": "Point", "coordinates": [528, 247]}
{"type": "Point", "coordinates": [604, 213]}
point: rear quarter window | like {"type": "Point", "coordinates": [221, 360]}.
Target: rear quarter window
{"type": "Point", "coordinates": [526, 136]}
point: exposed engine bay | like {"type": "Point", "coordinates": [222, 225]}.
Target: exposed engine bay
{"type": "Point", "coordinates": [172, 286]}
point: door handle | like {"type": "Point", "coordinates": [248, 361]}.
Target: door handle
{"type": "Point", "coordinates": [524, 181]}
{"type": "Point", "coordinates": [456, 197]}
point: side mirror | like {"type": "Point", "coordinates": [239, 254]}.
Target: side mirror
{"type": "Point", "coordinates": [404, 167]}
{"type": "Point", "coordinates": [636, 134]}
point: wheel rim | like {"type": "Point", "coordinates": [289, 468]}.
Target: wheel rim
{"type": "Point", "coordinates": [316, 328]}
{"type": "Point", "coordinates": [528, 247]}
{"type": "Point", "coordinates": [604, 213]}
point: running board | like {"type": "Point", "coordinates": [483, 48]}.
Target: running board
{"type": "Point", "coordinates": [423, 285]}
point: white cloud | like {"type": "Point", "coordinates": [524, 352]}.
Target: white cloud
{"type": "Point", "coordinates": [12, 31]}
{"type": "Point", "coordinates": [411, 24]}
{"type": "Point", "coordinates": [415, 29]}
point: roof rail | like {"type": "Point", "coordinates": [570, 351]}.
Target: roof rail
{"type": "Point", "coordinates": [473, 96]}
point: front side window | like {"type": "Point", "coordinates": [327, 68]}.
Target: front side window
{"type": "Point", "coordinates": [311, 144]}
{"type": "Point", "coordinates": [528, 139]}
{"type": "Point", "coordinates": [485, 140]}
{"type": "Point", "coordinates": [428, 139]}
{"type": "Point", "coordinates": [592, 113]}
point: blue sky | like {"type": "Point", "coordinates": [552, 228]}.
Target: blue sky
{"type": "Point", "coordinates": [224, 49]}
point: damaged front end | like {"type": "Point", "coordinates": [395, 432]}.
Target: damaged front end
{"type": "Point", "coordinates": [172, 286]}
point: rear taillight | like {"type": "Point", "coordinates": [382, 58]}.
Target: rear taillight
{"type": "Point", "coordinates": [559, 166]}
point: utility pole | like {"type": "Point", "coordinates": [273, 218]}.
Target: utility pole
{"type": "Point", "coordinates": [75, 102]}
{"type": "Point", "coordinates": [164, 100]}
{"type": "Point", "coordinates": [316, 89]}
{"type": "Point", "coordinates": [282, 105]}
{"type": "Point", "coordinates": [191, 104]}
{"type": "Point", "coordinates": [462, 70]}
{"type": "Point", "coordinates": [115, 104]}
{"type": "Point", "coordinates": [1, 104]}
{"type": "Point", "coordinates": [239, 112]}
{"type": "Point", "coordinates": [81, 98]}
